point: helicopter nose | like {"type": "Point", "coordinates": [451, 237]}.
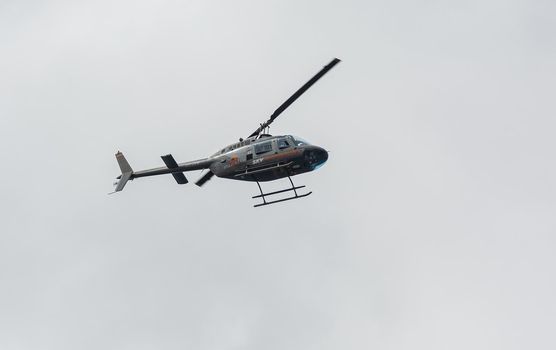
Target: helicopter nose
{"type": "Point", "coordinates": [322, 155]}
{"type": "Point", "coordinates": [316, 156]}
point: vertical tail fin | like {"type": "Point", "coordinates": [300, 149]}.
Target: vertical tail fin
{"type": "Point", "coordinates": [122, 162]}
{"type": "Point", "coordinates": [127, 172]}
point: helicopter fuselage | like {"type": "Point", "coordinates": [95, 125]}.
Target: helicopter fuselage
{"type": "Point", "coordinates": [267, 158]}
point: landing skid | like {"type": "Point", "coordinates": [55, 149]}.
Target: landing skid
{"type": "Point", "coordinates": [293, 188]}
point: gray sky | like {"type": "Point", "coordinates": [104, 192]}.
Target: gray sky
{"type": "Point", "coordinates": [430, 227]}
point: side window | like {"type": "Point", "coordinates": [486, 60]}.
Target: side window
{"type": "Point", "coordinates": [283, 143]}
{"type": "Point", "coordinates": [263, 148]}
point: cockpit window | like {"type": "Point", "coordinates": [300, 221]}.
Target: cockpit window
{"type": "Point", "coordinates": [283, 143]}
{"type": "Point", "coordinates": [299, 141]}
{"type": "Point", "coordinates": [263, 147]}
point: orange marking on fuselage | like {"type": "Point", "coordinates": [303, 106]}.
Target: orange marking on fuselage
{"type": "Point", "coordinates": [287, 154]}
{"type": "Point", "coordinates": [234, 161]}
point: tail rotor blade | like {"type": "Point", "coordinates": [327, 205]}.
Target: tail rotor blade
{"type": "Point", "coordinates": [204, 178]}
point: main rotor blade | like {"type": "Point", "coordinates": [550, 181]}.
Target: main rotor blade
{"type": "Point", "coordinates": [296, 95]}
{"type": "Point", "coordinates": [204, 178]}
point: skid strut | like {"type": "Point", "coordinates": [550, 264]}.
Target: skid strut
{"type": "Point", "coordinates": [293, 188]}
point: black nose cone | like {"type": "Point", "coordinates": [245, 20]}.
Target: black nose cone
{"type": "Point", "coordinates": [322, 155]}
{"type": "Point", "coordinates": [316, 157]}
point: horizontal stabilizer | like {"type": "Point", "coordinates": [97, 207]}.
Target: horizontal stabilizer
{"type": "Point", "coordinates": [180, 178]}
{"type": "Point", "coordinates": [169, 161]}
{"type": "Point", "coordinates": [172, 164]}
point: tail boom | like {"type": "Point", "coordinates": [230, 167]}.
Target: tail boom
{"type": "Point", "coordinates": [171, 168]}
{"type": "Point", "coordinates": [181, 167]}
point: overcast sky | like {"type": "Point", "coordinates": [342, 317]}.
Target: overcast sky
{"type": "Point", "coordinates": [431, 226]}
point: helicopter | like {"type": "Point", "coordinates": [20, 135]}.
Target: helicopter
{"type": "Point", "coordinates": [258, 158]}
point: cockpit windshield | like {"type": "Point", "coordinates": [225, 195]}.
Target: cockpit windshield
{"type": "Point", "coordinates": [299, 141]}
